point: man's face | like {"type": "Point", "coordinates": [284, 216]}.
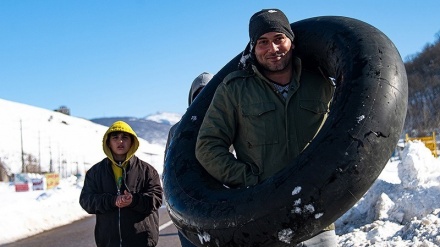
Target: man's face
{"type": "Point", "coordinates": [273, 51]}
{"type": "Point", "coordinates": [120, 143]}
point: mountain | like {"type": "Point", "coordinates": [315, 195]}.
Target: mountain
{"type": "Point", "coordinates": [153, 128]}
{"type": "Point", "coordinates": [165, 117]}
{"type": "Point", "coordinates": [40, 140]}
{"type": "Point", "coordinates": [423, 71]}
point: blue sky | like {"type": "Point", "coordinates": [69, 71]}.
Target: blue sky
{"type": "Point", "coordinates": [135, 58]}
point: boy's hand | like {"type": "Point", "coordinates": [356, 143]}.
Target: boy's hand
{"type": "Point", "coordinates": [124, 200]}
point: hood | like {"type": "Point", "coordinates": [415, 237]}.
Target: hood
{"type": "Point", "coordinates": [198, 83]}
{"type": "Point", "coordinates": [122, 127]}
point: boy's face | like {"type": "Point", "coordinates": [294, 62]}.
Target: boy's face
{"type": "Point", "coordinates": [119, 143]}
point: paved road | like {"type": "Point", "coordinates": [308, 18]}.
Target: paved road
{"type": "Point", "coordinates": [80, 233]}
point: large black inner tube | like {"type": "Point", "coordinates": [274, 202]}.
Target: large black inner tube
{"type": "Point", "coordinates": [348, 154]}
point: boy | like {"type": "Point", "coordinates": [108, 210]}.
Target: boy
{"type": "Point", "coordinates": [124, 192]}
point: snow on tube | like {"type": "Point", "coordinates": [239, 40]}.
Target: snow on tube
{"type": "Point", "coordinates": [329, 176]}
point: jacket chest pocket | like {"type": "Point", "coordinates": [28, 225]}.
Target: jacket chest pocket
{"type": "Point", "coordinates": [314, 106]}
{"type": "Point", "coordinates": [260, 123]}
{"type": "Point", "coordinates": [313, 114]}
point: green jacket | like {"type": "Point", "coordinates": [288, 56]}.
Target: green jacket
{"type": "Point", "coordinates": [266, 130]}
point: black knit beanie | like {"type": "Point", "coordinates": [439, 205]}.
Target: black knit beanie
{"type": "Point", "coordinates": [268, 20]}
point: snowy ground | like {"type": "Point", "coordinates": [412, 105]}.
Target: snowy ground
{"type": "Point", "coordinates": [402, 208]}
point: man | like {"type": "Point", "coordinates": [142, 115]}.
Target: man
{"type": "Point", "coordinates": [196, 87]}
{"type": "Point", "coordinates": [124, 192]}
{"type": "Point", "coordinates": [269, 110]}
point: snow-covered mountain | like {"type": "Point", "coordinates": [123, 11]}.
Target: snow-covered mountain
{"type": "Point", "coordinates": [37, 139]}
{"type": "Point", "coordinates": [165, 117]}
{"type": "Point", "coordinates": [153, 128]}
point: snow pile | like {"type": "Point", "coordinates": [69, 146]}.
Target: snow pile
{"type": "Point", "coordinates": [25, 214]}
{"type": "Point", "coordinates": [398, 213]}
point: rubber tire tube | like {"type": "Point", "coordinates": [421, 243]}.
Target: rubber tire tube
{"type": "Point", "coordinates": [338, 167]}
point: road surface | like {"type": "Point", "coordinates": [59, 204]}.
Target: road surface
{"type": "Point", "coordinates": [80, 233]}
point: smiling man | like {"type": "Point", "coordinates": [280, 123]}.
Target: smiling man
{"type": "Point", "coordinates": [269, 110]}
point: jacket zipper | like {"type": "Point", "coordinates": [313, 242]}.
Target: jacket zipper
{"type": "Point", "coordinates": [119, 213]}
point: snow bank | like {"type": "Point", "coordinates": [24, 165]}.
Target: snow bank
{"type": "Point", "coordinates": [405, 213]}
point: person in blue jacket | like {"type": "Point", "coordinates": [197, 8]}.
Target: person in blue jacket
{"type": "Point", "coordinates": [196, 87]}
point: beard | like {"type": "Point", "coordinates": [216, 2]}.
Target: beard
{"type": "Point", "coordinates": [276, 66]}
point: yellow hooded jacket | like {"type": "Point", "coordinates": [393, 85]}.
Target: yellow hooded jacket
{"type": "Point", "coordinates": [119, 126]}
{"type": "Point", "coordinates": [136, 224]}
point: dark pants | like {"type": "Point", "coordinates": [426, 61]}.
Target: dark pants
{"type": "Point", "coordinates": [323, 239]}
{"type": "Point", "coordinates": [183, 241]}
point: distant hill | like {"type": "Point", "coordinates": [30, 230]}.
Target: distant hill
{"type": "Point", "coordinates": [423, 70]}
{"type": "Point", "coordinates": [155, 132]}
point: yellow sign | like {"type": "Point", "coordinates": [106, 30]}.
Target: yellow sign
{"type": "Point", "coordinates": [52, 180]}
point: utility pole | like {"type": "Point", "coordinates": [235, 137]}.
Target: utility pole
{"type": "Point", "coordinates": [39, 152]}
{"type": "Point", "coordinates": [22, 153]}
{"type": "Point", "coordinates": [50, 155]}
